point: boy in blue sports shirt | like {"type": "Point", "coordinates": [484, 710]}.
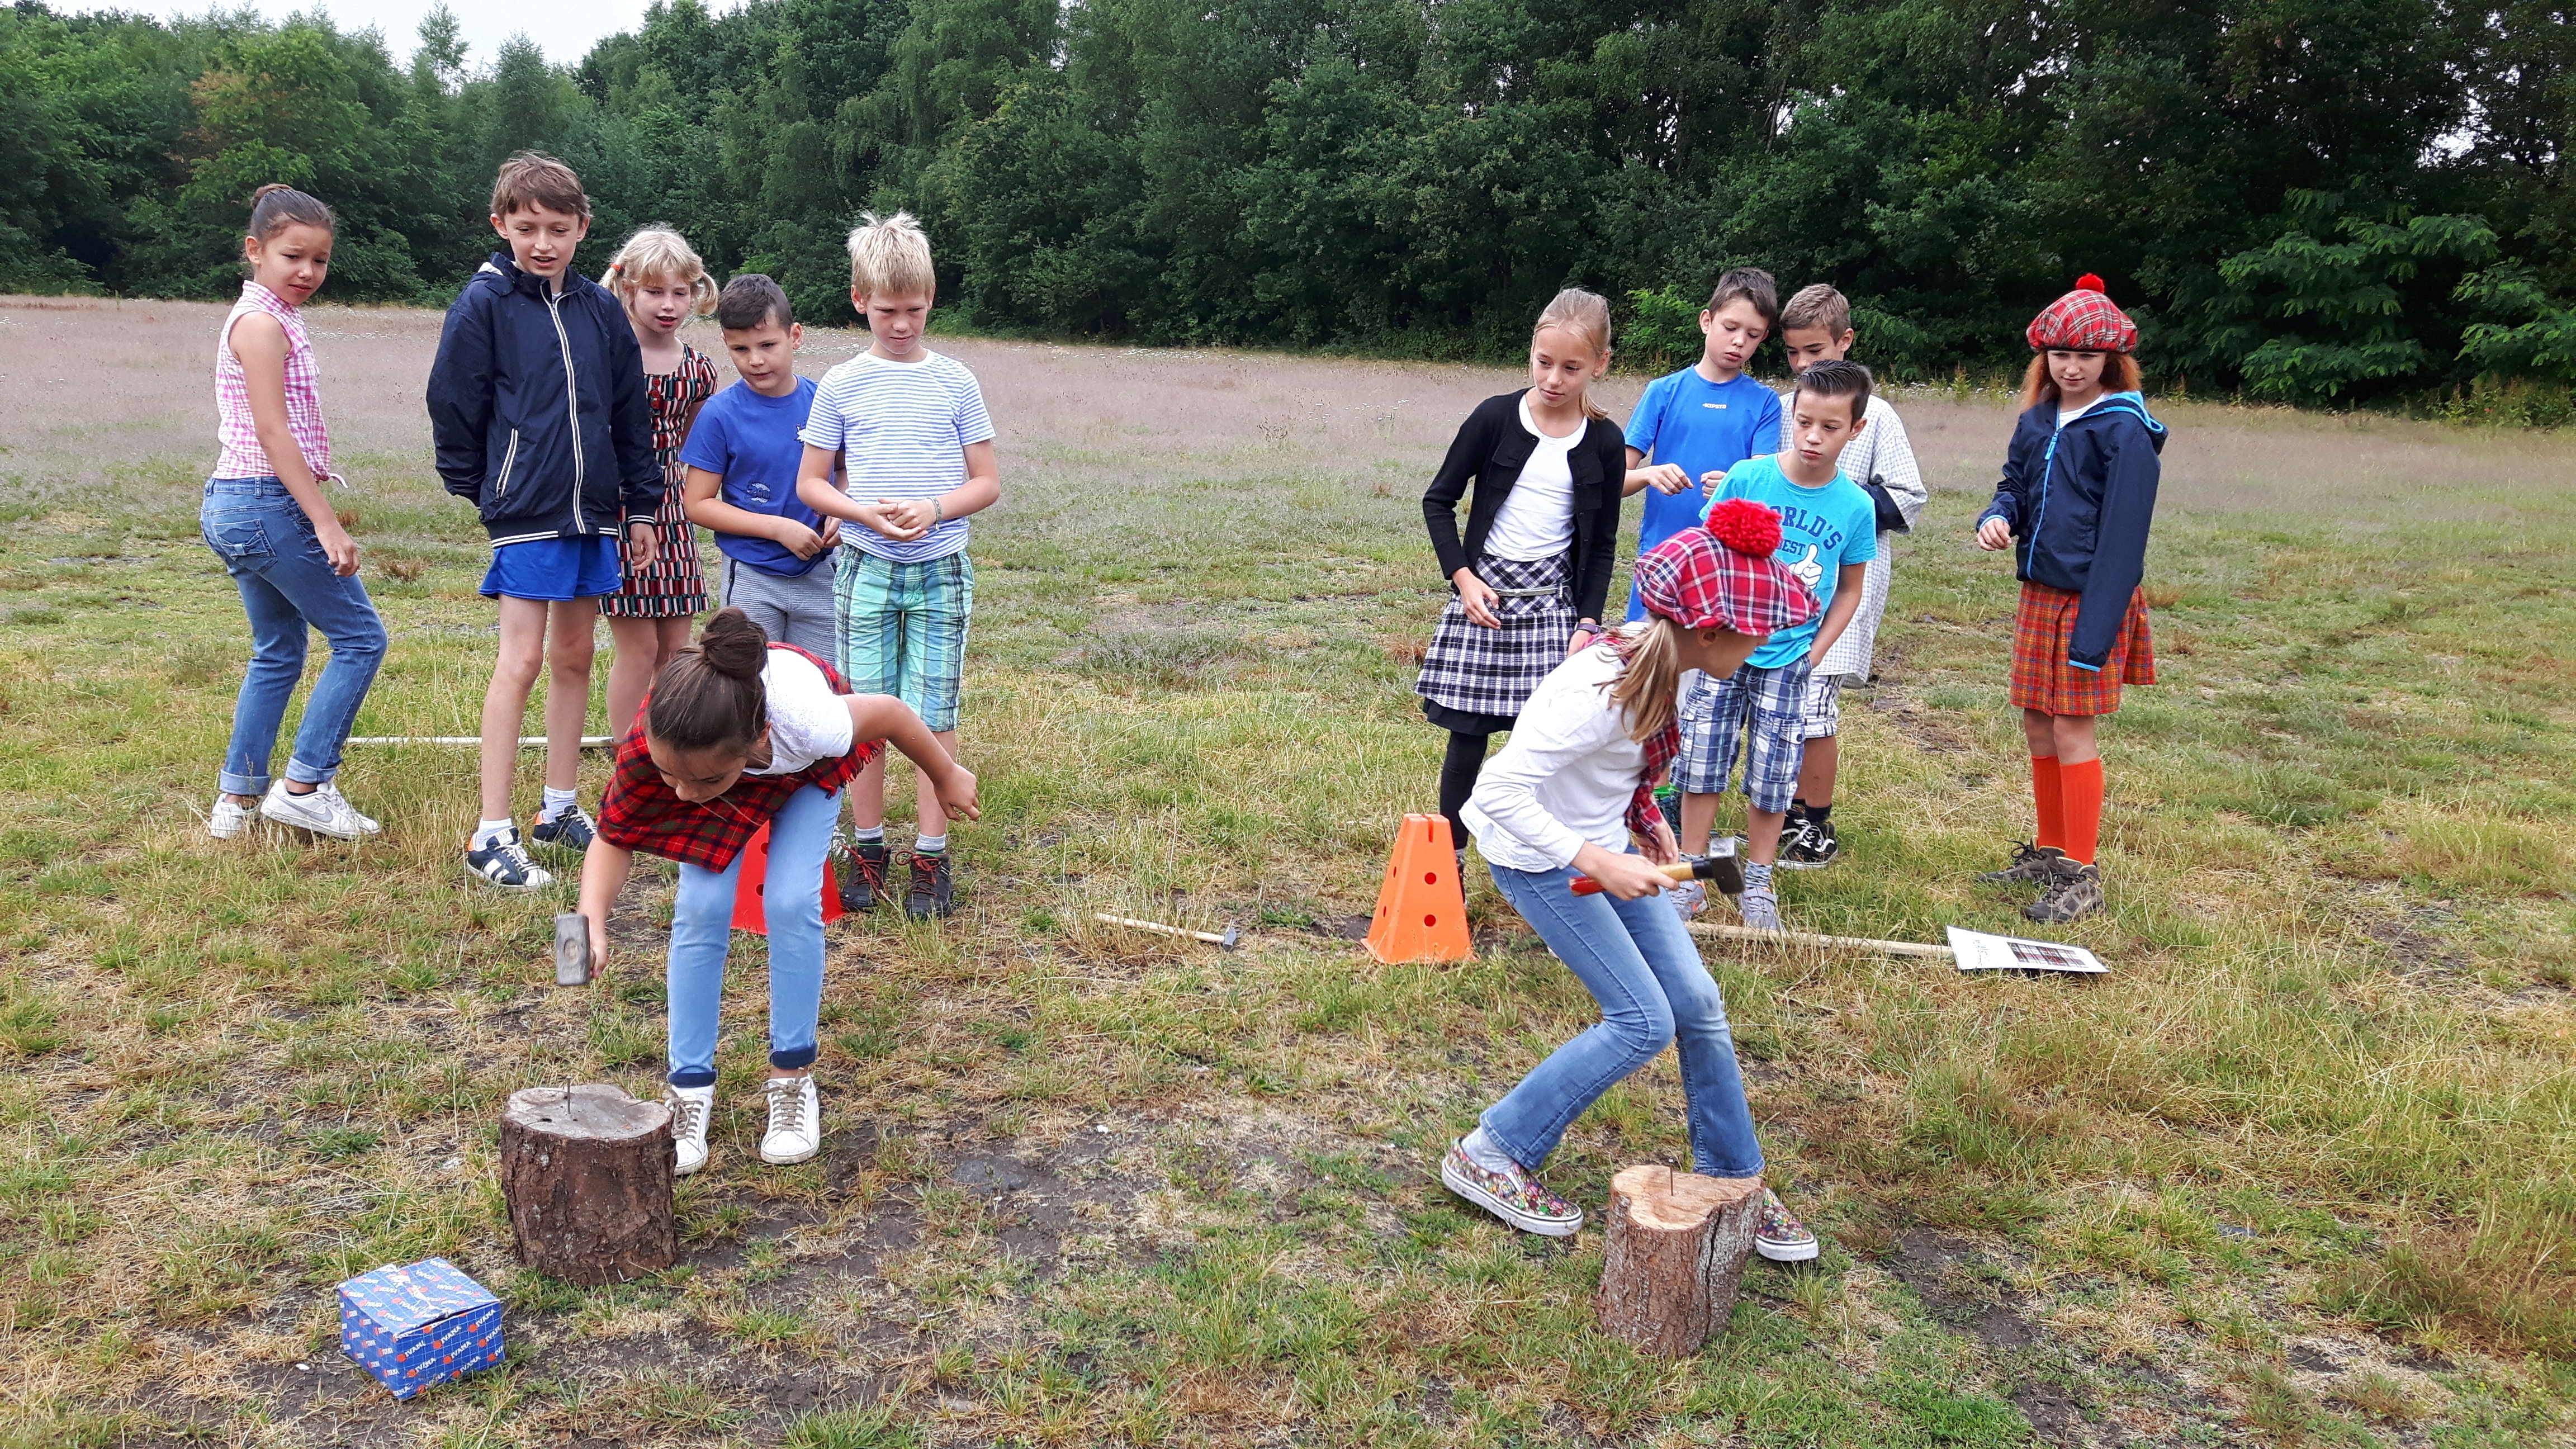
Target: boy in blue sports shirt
{"type": "Point", "coordinates": [1828, 535]}
{"type": "Point", "coordinates": [1706, 418]}
{"type": "Point", "coordinates": [537, 413]}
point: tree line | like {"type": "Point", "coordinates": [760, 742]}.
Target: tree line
{"type": "Point", "coordinates": [2312, 201]}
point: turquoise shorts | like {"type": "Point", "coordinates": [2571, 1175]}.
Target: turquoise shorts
{"type": "Point", "coordinates": [902, 628]}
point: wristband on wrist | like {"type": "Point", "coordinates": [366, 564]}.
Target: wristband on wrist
{"type": "Point", "coordinates": [938, 511]}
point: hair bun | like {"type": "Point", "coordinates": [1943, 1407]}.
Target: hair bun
{"type": "Point", "coordinates": [734, 646]}
{"type": "Point", "coordinates": [1746, 527]}
{"type": "Point", "coordinates": [271, 189]}
{"type": "Point", "coordinates": [2090, 283]}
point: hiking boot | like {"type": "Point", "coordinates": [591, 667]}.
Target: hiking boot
{"type": "Point", "coordinates": [2074, 892]}
{"type": "Point", "coordinates": [795, 1121]}
{"type": "Point", "coordinates": [1779, 1236]}
{"type": "Point", "coordinates": [505, 864]}
{"type": "Point", "coordinates": [690, 1108]}
{"type": "Point", "coordinates": [572, 830]}
{"type": "Point", "coordinates": [1760, 906]}
{"type": "Point", "coordinates": [1812, 847]}
{"type": "Point", "coordinates": [2029, 862]}
{"type": "Point", "coordinates": [863, 881]}
{"type": "Point", "coordinates": [934, 887]}
{"type": "Point", "coordinates": [321, 810]}
{"type": "Point", "coordinates": [1514, 1196]}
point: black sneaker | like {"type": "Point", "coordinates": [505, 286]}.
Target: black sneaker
{"type": "Point", "coordinates": [570, 831]}
{"type": "Point", "coordinates": [863, 876]}
{"type": "Point", "coordinates": [934, 887]}
{"type": "Point", "coordinates": [504, 864]}
{"type": "Point", "coordinates": [1811, 847]}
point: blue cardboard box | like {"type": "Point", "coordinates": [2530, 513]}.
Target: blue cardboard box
{"type": "Point", "coordinates": [419, 1325]}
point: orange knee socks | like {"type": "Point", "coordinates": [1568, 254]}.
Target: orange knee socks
{"type": "Point", "coordinates": [2045, 792]}
{"type": "Point", "coordinates": [2079, 789]}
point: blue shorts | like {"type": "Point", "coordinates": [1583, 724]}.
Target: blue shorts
{"type": "Point", "coordinates": [551, 570]}
{"type": "Point", "coordinates": [1766, 706]}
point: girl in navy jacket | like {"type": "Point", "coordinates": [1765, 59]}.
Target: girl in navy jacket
{"type": "Point", "coordinates": [2077, 496]}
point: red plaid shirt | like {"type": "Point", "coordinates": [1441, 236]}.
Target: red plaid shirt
{"type": "Point", "coordinates": [641, 812]}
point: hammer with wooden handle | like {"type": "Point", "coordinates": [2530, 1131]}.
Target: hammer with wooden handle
{"type": "Point", "coordinates": [1722, 869]}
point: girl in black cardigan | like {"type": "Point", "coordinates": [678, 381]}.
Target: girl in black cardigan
{"type": "Point", "coordinates": [1534, 568]}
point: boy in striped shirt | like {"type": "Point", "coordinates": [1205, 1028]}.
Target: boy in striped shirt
{"type": "Point", "coordinates": [909, 427]}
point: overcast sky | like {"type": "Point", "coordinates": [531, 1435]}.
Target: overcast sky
{"type": "Point", "coordinates": [563, 29]}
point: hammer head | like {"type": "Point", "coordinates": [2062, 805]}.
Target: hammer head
{"type": "Point", "coordinates": [1233, 934]}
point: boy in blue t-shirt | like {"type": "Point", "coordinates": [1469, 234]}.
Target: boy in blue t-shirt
{"type": "Point", "coordinates": [1706, 418]}
{"type": "Point", "coordinates": [1828, 535]}
{"type": "Point", "coordinates": [742, 457]}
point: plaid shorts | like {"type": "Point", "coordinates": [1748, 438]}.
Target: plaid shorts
{"type": "Point", "coordinates": [902, 628]}
{"type": "Point", "coordinates": [1768, 707]}
{"type": "Point", "coordinates": [1822, 716]}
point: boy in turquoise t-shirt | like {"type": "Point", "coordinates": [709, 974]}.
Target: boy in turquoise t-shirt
{"type": "Point", "coordinates": [1828, 535]}
{"type": "Point", "coordinates": [1706, 418]}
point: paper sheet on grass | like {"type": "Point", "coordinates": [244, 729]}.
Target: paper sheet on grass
{"type": "Point", "coordinates": [1978, 951]}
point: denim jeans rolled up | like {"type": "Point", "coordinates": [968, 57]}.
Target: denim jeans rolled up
{"type": "Point", "coordinates": [702, 932]}
{"type": "Point", "coordinates": [287, 587]}
{"type": "Point", "coordinates": [1639, 964]}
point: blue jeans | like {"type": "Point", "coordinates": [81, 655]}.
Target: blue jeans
{"type": "Point", "coordinates": [286, 583]}
{"type": "Point", "coordinates": [702, 930]}
{"type": "Point", "coordinates": [1638, 962]}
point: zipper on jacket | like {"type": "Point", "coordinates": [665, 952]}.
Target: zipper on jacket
{"type": "Point", "coordinates": [509, 459]}
{"type": "Point", "coordinates": [572, 405]}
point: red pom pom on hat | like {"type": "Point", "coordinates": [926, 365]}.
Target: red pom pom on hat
{"type": "Point", "coordinates": [1745, 526]}
{"type": "Point", "coordinates": [2090, 283]}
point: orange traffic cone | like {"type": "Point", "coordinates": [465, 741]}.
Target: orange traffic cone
{"type": "Point", "coordinates": [1421, 908]}
{"type": "Point", "coordinates": [749, 914]}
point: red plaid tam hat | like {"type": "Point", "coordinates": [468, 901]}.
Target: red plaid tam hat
{"type": "Point", "coordinates": [1723, 575]}
{"type": "Point", "coordinates": [2084, 320]}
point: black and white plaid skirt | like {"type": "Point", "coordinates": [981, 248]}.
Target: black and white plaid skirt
{"type": "Point", "coordinates": [1472, 670]}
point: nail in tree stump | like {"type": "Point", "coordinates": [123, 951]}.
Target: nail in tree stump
{"type": "Point", "coordinates": [1676, 1250]}
{"type": "Point", "coordinates": [586, 1171]}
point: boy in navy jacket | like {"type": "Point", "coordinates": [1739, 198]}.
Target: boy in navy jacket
{"type": "Point", "coordinates": [538, 414]}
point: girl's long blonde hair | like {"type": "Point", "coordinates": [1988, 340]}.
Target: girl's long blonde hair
{"type": "Point", "coordinates": [1650, 675]}
{"type": "Point", "coordinates": [1587, 316]}
{"type": "Point", "coordinates": [660, 252]}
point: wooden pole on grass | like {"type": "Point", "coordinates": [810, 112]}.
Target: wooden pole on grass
{"type": "Point", "coordinates": [1807, 938]}
{"type": "Point", "coordinates": [1675, 1253]}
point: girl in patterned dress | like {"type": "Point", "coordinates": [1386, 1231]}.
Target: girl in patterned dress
{"type": "Point", "coordinates": [280, 539]}
{"type": "Point", "coordinates": [663, 285]}
{"type": "Point", "coordinates": [2077, 497]}
{"type": "Point", "coordinates": [1547, 466]}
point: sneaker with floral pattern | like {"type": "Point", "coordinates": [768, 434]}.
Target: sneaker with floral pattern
{"type": "Point", "coordinates": [1515, 1197]}
{"type": "Point", "coordinates": [1780, 1237]}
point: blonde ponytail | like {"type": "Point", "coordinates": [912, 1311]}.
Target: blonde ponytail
{"type": "Point", "coordinates": [1650, 675]}
{"type": "Point", "coordinates": [1587, 316]}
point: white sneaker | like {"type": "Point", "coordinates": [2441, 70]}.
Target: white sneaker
{"type": "Point", "coordinates": [690, 1108]}
{"type": "Point", "coordinates": [229, 818]}
{"type": "Point", "coordinates": [324, 812]}
{"type": "Point", "coordinates": [795, 1121]}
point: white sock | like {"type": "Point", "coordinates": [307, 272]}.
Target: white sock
{"type": "Point", "coordinates": [873, 835]}
{"type": "Point", "coordinates": [557, 802]}
{"type": "Point", "coordinates": [1488, 1154]}
{"type": "Point", "coordinates": [488, 832]}
{"type": "Point", "coordinates": [930, 844]}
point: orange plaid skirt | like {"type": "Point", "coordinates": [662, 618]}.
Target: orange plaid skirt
{"type": "Point", "coordinates": [2043, 630]}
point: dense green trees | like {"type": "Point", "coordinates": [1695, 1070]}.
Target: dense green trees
{"type": "Point", "coordinates": [2311, 200]}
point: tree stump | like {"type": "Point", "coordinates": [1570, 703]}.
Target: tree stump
{"type": "Point", "coordinates": [586, 1171]}
{"type": "Point", "coordinates": [1676, 1250]}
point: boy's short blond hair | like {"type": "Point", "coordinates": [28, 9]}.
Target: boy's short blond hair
{"type": "Point", "coordinates": [1817, 306]}
{"type": "Point", "coordinates": [533, 178]}
{"type": "Point", "coordinates": [659, 254]}
{"type": "Point", "coordinates": [890, 257]}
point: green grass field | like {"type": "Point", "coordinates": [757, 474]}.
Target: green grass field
{"type": "Point", "coordinates": [2297, 1172]}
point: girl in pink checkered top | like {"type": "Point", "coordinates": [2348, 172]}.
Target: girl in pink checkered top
{"type": "Point", "coordinates": [265, 517]}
